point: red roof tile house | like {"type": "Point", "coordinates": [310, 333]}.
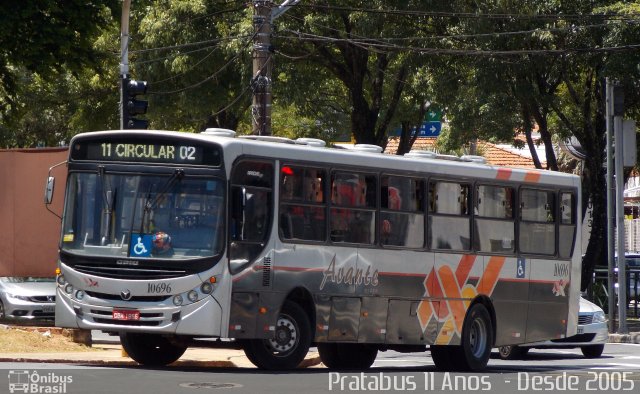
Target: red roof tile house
{"type": "Point", "coordinates": [494, 154]}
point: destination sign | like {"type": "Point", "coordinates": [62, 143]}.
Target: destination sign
{"type": "Point", "coordinates": [138, 151]}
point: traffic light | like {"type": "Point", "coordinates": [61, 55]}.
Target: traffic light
{"type": "Point", "coordinates": [131, 106]}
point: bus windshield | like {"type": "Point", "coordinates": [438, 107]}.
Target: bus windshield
{"type": "Point", "coordinates": [143, 216]}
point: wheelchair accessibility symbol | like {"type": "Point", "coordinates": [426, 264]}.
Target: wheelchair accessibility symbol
{"type": "Point", "coordinates": [520, 273]}
{"type": "Point", "coordinates": [140, 245]}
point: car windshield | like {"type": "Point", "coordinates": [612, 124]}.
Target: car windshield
{"type": "Point", "coordinates": [143, 216]}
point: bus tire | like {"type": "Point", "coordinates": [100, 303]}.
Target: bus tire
{"type": "Point", "coordinates": [512, 352]}
{"type": "Point", "coordinates": [151, 349]}
{"type": "Point", "coordinates": [341, 356]}
{"type": "Point", "coordinates": [592, 351]}
{"type": "Point", "coordinates": [443, 357]}
{"type": "Point", "coordinates": [290, 344]}
{"type": "Point", "coordinates": [477, 340]}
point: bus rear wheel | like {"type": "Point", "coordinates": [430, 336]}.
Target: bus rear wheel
{"type": "Point", "coordinates": [477, 340]}
{"type": "Point", "coordinates": [151, 349]}
{"type": "Point", "coordinates": [342, 356]}
{"type": "Point", "coordinates": [472, 355]}
{"type": "Point", "coordinates": [290, 344]}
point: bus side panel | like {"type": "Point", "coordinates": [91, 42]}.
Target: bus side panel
{"type": "Point", "coordinates": [548, 299]}
{"type": "Point", "coordinates": [510, 298]}
{"type": "Point", "coordinates": [373, 320]}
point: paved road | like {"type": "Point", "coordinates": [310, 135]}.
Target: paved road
{"type": "Point", "coordinates": [545, 370]}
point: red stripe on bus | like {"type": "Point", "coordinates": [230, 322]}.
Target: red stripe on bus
{"type": "Point", "coordinates": [532, 176]}
{"type": "Point", "coordinates": [503, 174]}
{"type": "Point", "coordinates": [453, 295]}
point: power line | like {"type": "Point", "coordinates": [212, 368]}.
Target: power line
{"type": "Point", "coordinates": [190, 44]}
{"type": "Point", "coordinates": [444, 51]}
{"type": "Point", "coordinates": [442, 14]}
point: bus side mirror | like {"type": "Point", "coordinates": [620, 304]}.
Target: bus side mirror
{"type": "Point", "coordinates": [48, 190]}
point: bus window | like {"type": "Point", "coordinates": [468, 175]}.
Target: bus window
{"type": "Point", "coordinates": [302, 212]}
{"type": "Point", "coordinates": [537, 222]}
{"type": "Point", "coordinates": [567, 226]}
{"type": "Point", "coordinates": [449, 226]}
{"type": "Point", "coordinates": [494, 224]}
{"type": "Point", "coordinates": [353, 198]}
{"type": "Point", "coordinates": [401, 214]}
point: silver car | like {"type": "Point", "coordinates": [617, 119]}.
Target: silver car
{"type": "Point", "coordinates": [592, 334]}
{"type": "Point", "coordinates": [27, 298]}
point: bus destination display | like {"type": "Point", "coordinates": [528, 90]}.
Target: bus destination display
{"type": "Point", "coordinates": [134, 151]}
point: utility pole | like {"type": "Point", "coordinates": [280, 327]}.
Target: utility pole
{"type": "Point", "coordinates": [124, 56]}
{"type": "Point", "coordinates": [262, 67]}
{"type": "Point", "coordinates": [618, 112]}
{"type": "Point", "coordinates": [610, 212]}
{"type": "Point", "coordinates": [264, 14]}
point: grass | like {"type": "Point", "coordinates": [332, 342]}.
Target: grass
{"type": "Point", "coordinates": [14, 340]}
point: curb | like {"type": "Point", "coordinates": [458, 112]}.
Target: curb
{"type": "Point", "coordinates": [633, 337]}
{"type": "Point", "coordinates": [306, 363]}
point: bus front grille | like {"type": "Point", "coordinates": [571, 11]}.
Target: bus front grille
{"type": "Point", "coordinates": [130, 273]}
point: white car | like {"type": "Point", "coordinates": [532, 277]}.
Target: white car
{"type": "Point", "coordinates": [592, 334]}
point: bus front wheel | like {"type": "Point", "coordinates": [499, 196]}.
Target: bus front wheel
{"type": "Point", "coordinates": [290, 344]}
{"type": "Point", "coordinates": [341, 356]}
{"type": "Point", "coordinates": [151, 349]}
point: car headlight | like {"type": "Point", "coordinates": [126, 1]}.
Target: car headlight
{"type": "Point", "coordinates": [599, 317]}
{"type": "Point", "coordinates": [18, 297]}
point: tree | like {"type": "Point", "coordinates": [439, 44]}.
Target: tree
{"type": "Point", "coordinates": [47, 49]}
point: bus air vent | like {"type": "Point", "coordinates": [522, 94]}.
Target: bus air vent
{"type": "Point", "coordinates": [268, 138]}
{"type": "Point", "coordinates": [367, 148]}
{"type": "Point", "coordinates": [474, 159]}
{"type": "Point", "coordinates": [311, 142]}
{"type": "Point", "coordinates": [266, 272]}
{"type": "Point", "coordinates": [421, 154]}
{"type": "Point", "coordinates": [219, 132]}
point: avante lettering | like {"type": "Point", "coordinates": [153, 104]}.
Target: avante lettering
{"type": "Point", "coordinates": [350, 276]}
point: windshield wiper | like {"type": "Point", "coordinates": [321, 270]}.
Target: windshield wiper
{"type": "Point", "coordinates": [150, 204]}
{"type": "Point", "coordinates": [108, 200]}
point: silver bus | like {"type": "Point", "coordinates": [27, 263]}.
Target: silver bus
{"type": "Point", "coordinates": [274, 246]}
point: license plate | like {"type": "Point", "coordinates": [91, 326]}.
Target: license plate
{"type": "Point", "coordinates": [48, 309]}
{"type": "Point", "coordinates": [580, 330]}
{"type": "Point", "coordinates": [119, 314]}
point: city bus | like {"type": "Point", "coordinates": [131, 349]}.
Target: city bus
{"type": "Point", "coordinates": [274, 245]}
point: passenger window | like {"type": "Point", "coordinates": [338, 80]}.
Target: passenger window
{"type": "Point", "coordinates": [449, 221]}
{"type": "Point", "coordinates": [567, 228]}
{"type": "Point", "coordinates": [494, 224]}
{"type": "Point", "coordinates": [401, 215]}
{"type": "Point", "coordinates": [537, 222]}
{"type": "Point", "coordinates": [302, 208]}
{"type": "Point", "coordinates": [353, 212]}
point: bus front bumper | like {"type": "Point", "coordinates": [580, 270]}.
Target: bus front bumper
{"type": "Point", "coordinates": [201, 318]}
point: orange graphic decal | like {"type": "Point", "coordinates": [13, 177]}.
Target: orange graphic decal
{"type": "Point", "coordinates": [447, 295]}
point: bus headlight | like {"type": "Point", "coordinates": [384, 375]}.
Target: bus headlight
{"type": "Point", "coordinates": [192, 296]}
{"type": "Point", "coordinates": [206, 288]}
{"type": "Point", "coordinates": [61, 280]}
{"type": "Point", "coordinates": [79, 295]}
{"type": "Point", "coordinates": [177, 300]}
{"type": "Point", "coordinates": [68, 288]}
